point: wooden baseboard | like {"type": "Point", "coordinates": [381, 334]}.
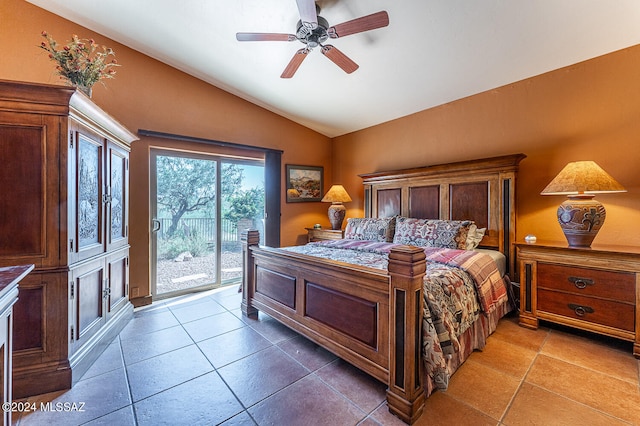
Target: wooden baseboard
{"type": "Point", "coordinates": [142, 301]}
{"type": "Point", "coordinates": [50, 378]}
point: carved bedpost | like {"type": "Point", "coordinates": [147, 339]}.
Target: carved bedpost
{"type": "Point", "coordinates": [249, 237]}
{"type": "Point", "coordinates": [405, 395]}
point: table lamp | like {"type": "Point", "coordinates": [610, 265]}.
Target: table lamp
{"type": "Point", "coordinates": [581, 216]}
{"type": "Point", "coordinates": [336, 196]}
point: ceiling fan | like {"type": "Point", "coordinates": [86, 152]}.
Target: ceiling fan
{"type": "Point", "coordinates": [313, 30]}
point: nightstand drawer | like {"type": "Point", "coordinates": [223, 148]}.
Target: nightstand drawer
{"type": "Point", "coordinates": [599, 311]}
{"type": "Point", "coordinates": [619, 286]}
{"type": "Point", "coordinates": [320, 234]}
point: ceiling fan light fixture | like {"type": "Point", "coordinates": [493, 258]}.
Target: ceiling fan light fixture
{"type": "Point", "coordinates": [313, 30]}
{"type": "Point", "coordinates": [313, 36]}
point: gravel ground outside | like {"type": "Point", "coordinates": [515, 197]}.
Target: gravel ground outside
{"type": "Point", "coordinates": [174, 276]}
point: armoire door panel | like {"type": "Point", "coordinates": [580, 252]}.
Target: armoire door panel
{"type": "Point", "coordinates": [29, 312]}
{"type": "Point", "coordinates": [29, 203]}
{"type": "Point", "coordinates": [118, 281]}
{"type": "Point", "coordinates": [89, 197]}
{"type": "Point", "coordinates": [22, 222]}
{"type": "Point", "coordinates": [39, 319]}
{"type": "Point", "coordinates": [88, 300]}
{"type": "Point", "coordinates": [118, 195]}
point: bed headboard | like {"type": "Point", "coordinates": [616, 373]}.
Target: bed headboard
{"type": "Point", "coordinates": [479, 190]}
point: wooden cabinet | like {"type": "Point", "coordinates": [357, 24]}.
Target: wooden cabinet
{"type": "Point", "coordinates": [314, 234]}
{"type": "Point", "coordinates": [65, 208]}
{"type": "Point", "coordinates": [10, 276]}
{"type": "Point", "coordinates": [595, 289]}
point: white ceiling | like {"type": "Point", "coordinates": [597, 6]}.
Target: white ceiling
{"type": "Point", "coordinates": [432, 52]}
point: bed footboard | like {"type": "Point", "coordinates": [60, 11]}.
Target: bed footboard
{"type": "Point", "coordinates": [370, 318]}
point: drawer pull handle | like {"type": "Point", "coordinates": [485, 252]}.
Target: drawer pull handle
{"type": "Point", "coordinates": [581, 282]}
{"type": "Point", "coordinates": [581, 310]}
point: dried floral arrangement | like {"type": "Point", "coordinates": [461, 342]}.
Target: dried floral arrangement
{"type": "Point", "coordinates": [81, 62]}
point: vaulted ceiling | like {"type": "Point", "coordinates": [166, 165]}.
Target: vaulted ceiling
{"type": "Point", "coordinates": [432, 52]}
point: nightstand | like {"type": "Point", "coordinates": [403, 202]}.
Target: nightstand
{"type": "Point", "coordinates": [595, 289]}
{"type": "Point", "coordinates": [321, 234]}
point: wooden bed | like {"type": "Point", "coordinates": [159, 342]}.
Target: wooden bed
{"type": "Point", "coordinates": [372, 318]}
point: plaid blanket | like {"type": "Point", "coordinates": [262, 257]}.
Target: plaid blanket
{"type": "Point", "coordinates": [492, 289]}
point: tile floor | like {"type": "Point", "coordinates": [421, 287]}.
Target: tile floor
{"type": "Point", "coordinates": [195, 360]}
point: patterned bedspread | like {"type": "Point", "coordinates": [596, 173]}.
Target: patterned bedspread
{"type": "Point", "coordinates": [459, 286]}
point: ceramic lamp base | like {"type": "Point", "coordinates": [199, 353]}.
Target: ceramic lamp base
{"type": "Point", "coordinates": [581, 218]}
{"type": "Point", "coordinates": [336, 215]}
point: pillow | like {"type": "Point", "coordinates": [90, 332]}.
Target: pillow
{"type": "Point", "coordinates": [432, 232]}
{"type": "Point", "coordinates": [474, 236]}
{"type": "Point", "coordinates": [372, 229]}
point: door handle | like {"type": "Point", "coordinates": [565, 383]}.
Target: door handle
{"type": "Point", "coordinates": [155, 225]}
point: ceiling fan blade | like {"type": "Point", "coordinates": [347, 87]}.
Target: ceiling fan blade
{"type": "Point", "coordinates": [307, 9]}
{"type": "Point", "coordinates": [295, 62]}
{"type": "Point", "coordinates": [264, 37]}
{"type": "Point", "coordinates": [339, 58]}
{"type": "Point", "coordinates": [358, 25]}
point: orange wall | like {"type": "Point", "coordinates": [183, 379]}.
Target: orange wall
{"type": "Point", "coordinates": [585, 111]}
{"type": "Point", "coordinates": [588, 111]}
{"type": "Point", "coordinates": [147, 94]}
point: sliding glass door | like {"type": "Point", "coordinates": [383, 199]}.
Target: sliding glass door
{"type": "Point", "coordinates": [200, 204]}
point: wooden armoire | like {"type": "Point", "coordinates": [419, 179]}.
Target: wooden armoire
{"type": "Point", "coordinates": [64, 201]}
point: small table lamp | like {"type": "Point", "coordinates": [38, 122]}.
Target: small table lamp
{"type": "Point", "coordinates": [580, 216]}
{"type": "Point", "coordinates": [336, 196]}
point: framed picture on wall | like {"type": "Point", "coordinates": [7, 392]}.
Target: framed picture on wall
{"type": "Point", "coordinates": [304, 183]}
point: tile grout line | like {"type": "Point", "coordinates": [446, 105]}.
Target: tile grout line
{"type": "Point", "coordinates": [540, 353]}
{"type": "Point", "coordinates": [366, 414]}
{"type": "Point", "coordinates": [126, 375]}
{"type": "Point", "coordinates": [244, 408]}
{"type": "Point", "coordinates": [508, 406]}
{"type": "Point", "coordinates": [589, 369]}
{"type": "Point", "coordinates": [309, 373]}
{"type": "Point", "coordinates": [523, 379]}
{"type": "Point", "coordinates": [193, 378]}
